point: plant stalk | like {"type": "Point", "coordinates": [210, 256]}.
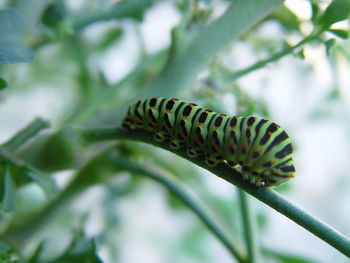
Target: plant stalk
{"type": "Point", "coordinates": [234, 177]}
{"type": "Point", "coordinates": [276, 56]}
{"type": "Point", "coordinates": [209, 222]}
{"type": "Point", "coordinates": [249, 227]}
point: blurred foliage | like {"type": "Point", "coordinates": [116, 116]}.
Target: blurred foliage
{"type": "Point", "coordinates": [336, 11]}
{"type": "Point", "coordinates": [11, 48]}
{"type": "Point", "coordinates": [3, 84]}
{"type": "Point", "coordinates": [71, 44]}
{"type": "Point", "coordinates": [80, 249]}
{"type": "Point", "coordinates": [286, 258]}
{"type": "Point", "coordinates": [8, 190]}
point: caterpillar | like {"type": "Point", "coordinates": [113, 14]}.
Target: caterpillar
{"type": "Point", "coordinates": [259, 147]}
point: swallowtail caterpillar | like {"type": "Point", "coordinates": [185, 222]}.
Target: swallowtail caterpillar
{"type": "Point", "coordinates": [261, 148]}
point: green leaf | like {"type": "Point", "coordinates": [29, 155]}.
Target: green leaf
{"type": "Point", "coordinates": [3, 84]}
{"type": "Point", "coordinates": [337, 11]}
{"type": "Point", "coordinates": [21, 137]}
{"type": "Point", "coordinates": [46, 183]}
{"type": "Point", "coordinates": [9, 197]}
{"type": "Point", "coordinates": [80, 250]}
{"type": "Point", "coordinates": [7, 254]}
{"type": "Point", "coordinates": [54, 13]}
{"type": "Point", "coordinates": [14, 52]}
{"type": "Point", "coordinates": [300, 54]}
{"type": "Point", "coordinates": [111, 37]}
{"type": "Point", "coordinates": [315, 10]}
{"type": "Point", "coordinates": [329, 44]}
{"type": "Point", "coordinates": [344, 34]}
{"type": "Point", "coordinates": [174, 202]}
{"type": "Point", "coordinates": [55, 152]}
{"type": "Point", "coordinates": [11, 48]}
{"type": "Point", "coordinates": [287, 18]}
{"type": "Point", "coordinates": [34, 258]}
{"type": "Point", "coordinates": [10, 25]}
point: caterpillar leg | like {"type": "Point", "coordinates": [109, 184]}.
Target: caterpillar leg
{"type": "Point", "coordinates": [260, 182]}
{"type": "Point", "coordinates": [128, 124]}
{"type": "Point", "coordinates": [248, 174]}
{"type": "Point", "coordinates": [254, 178]}
{"type": "Point", "coordinates": [176, 144]}
{"type": "Point", "coordinates": [231, 163]}
{"type": "Point", "coordinates": [210, 161]}
{"type": "Point", "coordinates": [259, 178]}
{"type": "Point", "coordinates": [193, 152]}
{"type": "Point", "coordinates": [245, 176]}
{"type": "Point", "coordinates": [160, 136]}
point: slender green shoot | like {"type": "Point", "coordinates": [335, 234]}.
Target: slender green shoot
{"type": "Point", "coordinates": [249, 227]}
{"type": "Point", "coordinates": [81, 21]}
{"type": "Point", "coordinates": [274, 57]}
{"type": "Point", "coordinates": [175, 189]}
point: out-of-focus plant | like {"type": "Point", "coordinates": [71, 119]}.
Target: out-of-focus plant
{"type": "Point", "coordinates": [97, 155]}
{"type": "Point", "coordinates": [12, 49]}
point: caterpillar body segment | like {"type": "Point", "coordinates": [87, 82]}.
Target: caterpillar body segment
{"type": "Point", "coordinates": [260, 147]}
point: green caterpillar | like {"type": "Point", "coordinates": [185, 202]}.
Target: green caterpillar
{"type": "Point", "coordinates": [261, 148]}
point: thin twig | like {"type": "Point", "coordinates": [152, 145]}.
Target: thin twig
{"type": "Point", "coordinates": [274, 57]}
{"type": "Point", "coordinates": [249, 227]}
{"type": "Point", "coordinates": [175, 189]}
{"type": "Point", "coordinates": [80, 21]}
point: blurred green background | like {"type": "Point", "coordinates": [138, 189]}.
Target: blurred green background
{"type": "Point", "coordinates": [81, 63]}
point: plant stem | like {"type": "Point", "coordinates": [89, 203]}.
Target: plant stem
{"type": "Point", "coordinates": [264, 194]}
{"type": "Point", "coordinates": [173, 187]}
{"type": "Point", "coordinates": [262, 63]}
{"type": "Point", "coordinates": [124, 8]}
{"type": "Point", "coordinates": [190, 56]}
{"type": "Point", "coordinates": [25, 134]}
{"type": "Point", "coordinates": [249, 227]}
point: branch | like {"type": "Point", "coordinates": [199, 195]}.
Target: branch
{"type": "Point", "coordinates": [118, 10]}
{"type": "Point", "coordinates": [80, 21]}
{"type": "Point", "coordinates": [209, 222]}
{"type": "Point", "coordinates": [189, 57]}
{"type": "Point", "coordinates": [264, 194]}
{"type": "Point", "coordinates": [274, 57]}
